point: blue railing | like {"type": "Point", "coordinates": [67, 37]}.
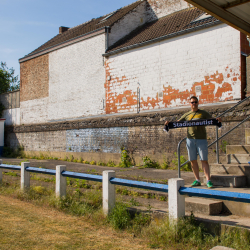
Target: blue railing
{"type": "Point", "coordinates": [198, 192]}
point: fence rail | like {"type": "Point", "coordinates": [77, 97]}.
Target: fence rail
{"type": "Point", "coordinates": [175, 188]}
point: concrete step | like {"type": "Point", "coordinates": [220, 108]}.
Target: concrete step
{"type": "Point", "coordinates": [229, 180]}
{"type": "Point", "coordinates": [234, 169]}
{"type": "Point", "coordinates": [247, 136]}
{"type": "Point", "coordinates": [203, 206]}
{"type": "Point", "coordinates": [238, 149]}
{"type": "Point", "coordinates": [238, 158]}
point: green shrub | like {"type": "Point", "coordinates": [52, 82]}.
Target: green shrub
{"type": "Point", "coordinates": [223, 146]}
{"type": "Point", "coordinates": [71, 158]}
{"type": "Point", "coordinates": [14, 152]}
{"type": "Point", "coordinates": [186, 167]}
{"type": "Point", "coordinates": [125, 159]}
{"type": "Point", "coordinates": [148, 163]}
{"type": "Point", "coordinates": [119, 218]}
{"type": "Point", "coordinates": [92, 163]}
{"type": "Point", "coordinates": [111, 164]}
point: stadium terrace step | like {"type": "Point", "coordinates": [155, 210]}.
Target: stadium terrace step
{"type": "Point", "coordinates": [229, 180]}
{"type": "Point", "coordinates": [236, 169]}
{"type": "Point", "coordinates": [238, 158]}
{"type": "Point", "coordinates": [247, 136]}
{"type": "Point", "coordinates": [203, 206]}
{"type": "Point", "coordinates": [238, 149]}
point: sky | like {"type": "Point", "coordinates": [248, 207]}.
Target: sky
{"type": "Point", "coordinates": [27, 24]}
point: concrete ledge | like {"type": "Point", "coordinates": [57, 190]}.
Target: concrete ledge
{"type": "Point", "coordinates": [229, 180]}
{"type": "Point", "coordinates": [232, 169]}
{"type": "Point", "coordinates": [238, 158]}
{"type": "Point", "coordinates": [238, 149]}
{"type": "Point", "coordinates": [203, 206]}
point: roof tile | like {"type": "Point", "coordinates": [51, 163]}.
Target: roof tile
{"type": "Point", "coordinates": [170, 24]}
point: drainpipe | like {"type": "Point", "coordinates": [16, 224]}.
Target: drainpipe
{"type": "Point", "coordinates": [248, 39]}
{"type": "Point", "coordinates": [107, 38]}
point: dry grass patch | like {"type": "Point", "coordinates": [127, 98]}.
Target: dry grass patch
{"type": "Point", "coordinates": [26, 226]}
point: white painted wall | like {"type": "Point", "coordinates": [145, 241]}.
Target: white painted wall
{"type": "Point", "coordinates": [177, 63]}
{"type": "Point", "coordinates": [12, 116]}
{"type": "Point", "coordinates": [34, 111]}
{"type": "Point", "coordinates": [76, 84]}
{"type": "Point", "coordinates": [128, 23]}
{"type": "Point", "coordinates": [160, 8]}
{"type": "Point", "coordinates": [76, 80]}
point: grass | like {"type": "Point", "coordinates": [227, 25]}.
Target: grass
{"type": "Point", "coordinates": [42, 221]}
{"type": "Point", "coordinates": [27, 226]}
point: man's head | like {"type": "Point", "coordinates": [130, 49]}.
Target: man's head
{"type": "Point", "coordinates": [194, 102]}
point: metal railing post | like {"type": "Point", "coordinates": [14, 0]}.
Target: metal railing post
{"type": "Point", "coordinates": [179, 157]}
{"type": "Point", "coordinates": [217, 146]}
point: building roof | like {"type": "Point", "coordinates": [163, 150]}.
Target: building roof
{"type": "Point", "coordinates": [177, 23]}
{"type": "Point", "coordinates": [87, 27]}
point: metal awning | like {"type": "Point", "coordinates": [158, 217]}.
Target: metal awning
{"type": "Point", "coordinates": [235, 13]}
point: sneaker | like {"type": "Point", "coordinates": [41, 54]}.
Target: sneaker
{"type": "Point", "coordinates": [195, 184]}
{"type": "Point", "coordinates": [210, 184]}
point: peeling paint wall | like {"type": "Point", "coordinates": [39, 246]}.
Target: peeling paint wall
{"type": "Point", "coordinates": [128, 23]}
{"type": "Point", "coordinates": [205, 63]}
{"type": "Point", "coordinates": [159, 8]}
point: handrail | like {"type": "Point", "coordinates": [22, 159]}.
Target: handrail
{"type": "Point", "coordinates": [198, 192]}
{"type": "Point", "coordinates": [217, 139]}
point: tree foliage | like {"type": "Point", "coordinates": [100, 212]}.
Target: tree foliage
{"type": "Point", "coordinates": [8, 80]}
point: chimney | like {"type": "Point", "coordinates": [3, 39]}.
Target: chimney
{"type": "Point", "coordinates": [62, 29]}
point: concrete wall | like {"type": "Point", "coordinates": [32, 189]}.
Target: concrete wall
{"type": "Point", "coordinates": [101, 138]}
{"type": "Point", "coordinates": [12, 116]}
{"type": "Point", "coordinates": [170, 71]}
{"type": "Point", "coordinates": [71, 84]}
{"type": "Point", "coordinates": [11, 102]}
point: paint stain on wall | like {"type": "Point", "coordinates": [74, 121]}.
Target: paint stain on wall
{"type": "Point", "coordinates": [213, 88]}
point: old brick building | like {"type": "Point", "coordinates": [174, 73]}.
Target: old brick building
{"type": "Point", "coordinates": [147, 56]}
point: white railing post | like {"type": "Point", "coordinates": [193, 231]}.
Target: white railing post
{"type": "Point", "coordinates": [108, 192]}
{"type": "Point", "coordinates": [25, 175]}
{"type": "Point", "coordinates": [176, 202]}
{"type": "Point", "coordinates": [61, 181]}
{"type": "Point", "coordinates": [1, 171]}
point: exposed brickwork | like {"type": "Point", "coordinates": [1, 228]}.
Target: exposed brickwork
{"type": "Point", "coordinates": [245, 62]}
{"type": "Point", "coordinates": [168, 72]}
{"type": "Point", "coordinates": [34, 78]}
{"type": "Point", "coordinates": [131, 120]}
{"type": "Point", "coordinates": [38, 141]}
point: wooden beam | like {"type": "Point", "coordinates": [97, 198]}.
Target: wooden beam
{"type": "Point", "coordinates": [234, 4]}
{"type": "Point", "coordinates": [222, 14]}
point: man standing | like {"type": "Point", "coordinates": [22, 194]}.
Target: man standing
{"type": "Point", "coordinates": [197, 141]}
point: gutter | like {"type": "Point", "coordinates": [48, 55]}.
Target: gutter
{"type": "Point", "coordinates": [158, 39]}
{"type": "Point", "coordinates": [64, 44]}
